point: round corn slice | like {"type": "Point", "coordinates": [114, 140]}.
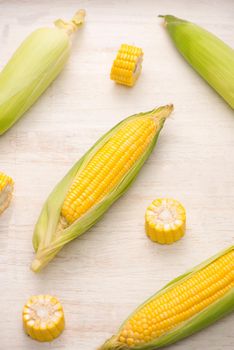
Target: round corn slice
{"type": "Point", "coordinates": [127, 66]}
{"type": "Point", "coordinates": [165, 220]}
{"type": "Point", "coordinates": [6, 190]}
{"type": "Point", "coordinates": [43, 318]}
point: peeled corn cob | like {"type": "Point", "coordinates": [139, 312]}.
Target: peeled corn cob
{"type": "Point", "coordinates": [183, 307]}
{"type": "Point", "coordinates": [43, 318]}
{"type": "Point", "coordinates": [99, 178]}
{"type": "Point", "coordinates": [127, 65]}
{"type": "Point", "coordinates": [207, 54]}
{"type": "Point", "coordinates": [33, 67]}
{"type": "Point", "coordinates": [6, 190]}
{"type": "Point", "coordinates": [165, 220]}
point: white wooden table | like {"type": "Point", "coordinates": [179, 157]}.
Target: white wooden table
{"type": "Point", "coordinates": [101, 277]}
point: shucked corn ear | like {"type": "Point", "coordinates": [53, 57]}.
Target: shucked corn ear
{"type": "Point", "coordinates": [165, 220]}
{"type": "Point", "coordinates": [6, 190]}
{"type": "Point", "coordinates": [207, 54]}
{"type": "Point", "coordinates": [33, 67]}
{"type": "Point", "coordinates": [183, 307]}
{"type": "Point", "coordinates": [100, 177]}
{"type": "Point", "coordinates": [43, 318]}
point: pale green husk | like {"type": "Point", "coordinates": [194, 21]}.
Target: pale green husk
{"type": "Point", "coordinates": [32, 68]}
{"type": "Point", "coordinates": [49, 237]}
{"type": "Point", "coordinates": [212, 313]}
{"type": "Point", "coordinates": [207, 54]}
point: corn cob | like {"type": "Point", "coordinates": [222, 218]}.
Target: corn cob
{"type": "Point", "coordinates": [101, 176]}
{"type": "Point", "coordinates": [33, 67]}
{"type": "Point", "coordinates": [165, 221]}
{"type": "Point", "coordinates": [127, 66]}
{"type": "Point", "coordinates": [208, 55]}
{"type": "Point", "coordinates": [6, 190]}
{"type": "Point", "coordinates": [184, 306]}
{"type": "Point", "coordinates": [43, 318]}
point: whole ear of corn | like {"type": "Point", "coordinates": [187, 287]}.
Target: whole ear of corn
{"type": "Point", "coordinates": [98, 179]}
{"type": "Point", "coordinates": [33, 67]}
{"type": "Point", "coordinates": [184, 306]}
{"type": "Point", "coordinates": [6, 190]}
{"type": "Point", "coordinates": [207, 54]}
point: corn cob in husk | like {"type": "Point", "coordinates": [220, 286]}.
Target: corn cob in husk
{"type": "Point", "coordinates": [33, 67]}
{"type": "Point", "coordinates": [207, 54]}
{"type": "Point", "coordinates": [184, 306]}
{"type": "Point", "coordinates": [98, 179]}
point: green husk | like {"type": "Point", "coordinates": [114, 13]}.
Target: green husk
{"type": "Point", "coordinates": [49, 236]}
{"type": "Point", "coordinates": [207, 54]}
{"type": "Point", "coordinates": [212, 313]}
{"type": "Point", "coordinates": [33, 67]}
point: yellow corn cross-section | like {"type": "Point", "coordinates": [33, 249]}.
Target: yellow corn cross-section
{"type": "Point", "coordinates": [127, 66]}
{"type": "Point", "coordinates": [6, 190]}
{"type": "Point", "coordinates": [43, 318]}
{"type": "Point", "coordinates": [165, 220]}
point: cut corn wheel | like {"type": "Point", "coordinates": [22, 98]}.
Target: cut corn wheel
{"type": "Point", "coordinates": [127, 65]}
{"type": "Point", "coordinates": [184, 306]}
{"type": "Point", "coordinates": [6, 190]}
{"type": "Point", "coordinates": [165, 220]}
{"type": "Point", "coordinates": [43, 318]}
{"type": "Point", "coordinates": [98, 179]}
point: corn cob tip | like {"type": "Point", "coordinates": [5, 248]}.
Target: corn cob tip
{"type": "Point", "coordinates": [163, 112]}
{"type": "Point", "coordinates": [72, 25]}
{"type": "Point", "coordinates": [113, 344]}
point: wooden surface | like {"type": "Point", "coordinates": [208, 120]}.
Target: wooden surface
{"type": "Point", "coordinates": [101, 277]}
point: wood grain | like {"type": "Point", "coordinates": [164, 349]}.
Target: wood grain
{"type": "Point", "coordinates": [105, 274]}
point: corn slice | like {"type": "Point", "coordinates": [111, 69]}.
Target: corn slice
{"type": "Point", "coordinates": [33, 67]}
{"type": "Point", "coordinates": [6, 190]}
{"type": "Point", "coordinates": [184, 306]}
{"type": "Point", "coordinates": [43, 318]}
{"type": "Point", "coordinates": [127, 66]}
{"type": "Point", "coordinates": [165, 220]}
{"type": "Point", "coordinates": [98, 179]}
{"type": "Point", "coordinates": [207, 54]}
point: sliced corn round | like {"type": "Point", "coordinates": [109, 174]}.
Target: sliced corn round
{"type": "Point", "coordinates": [6, 190]}
{"type": "Point", "coordinates": [165, 220]}
{"type": "Point", "coordinates": [43, 318]}
{"type": "Point", "coordinates": [127, 66]}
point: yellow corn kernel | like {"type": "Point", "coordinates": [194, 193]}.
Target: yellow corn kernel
{"type": "Point", "coordinates": [6, 190]}
{"type": "Point", "coordinates": [43, 318]}
{"type": "Point", "coordinates": [127, 66]}
{"type": "Point", "coordinates": [107, 167]}
{"type": "Point", "coordinates": [165, 221]}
